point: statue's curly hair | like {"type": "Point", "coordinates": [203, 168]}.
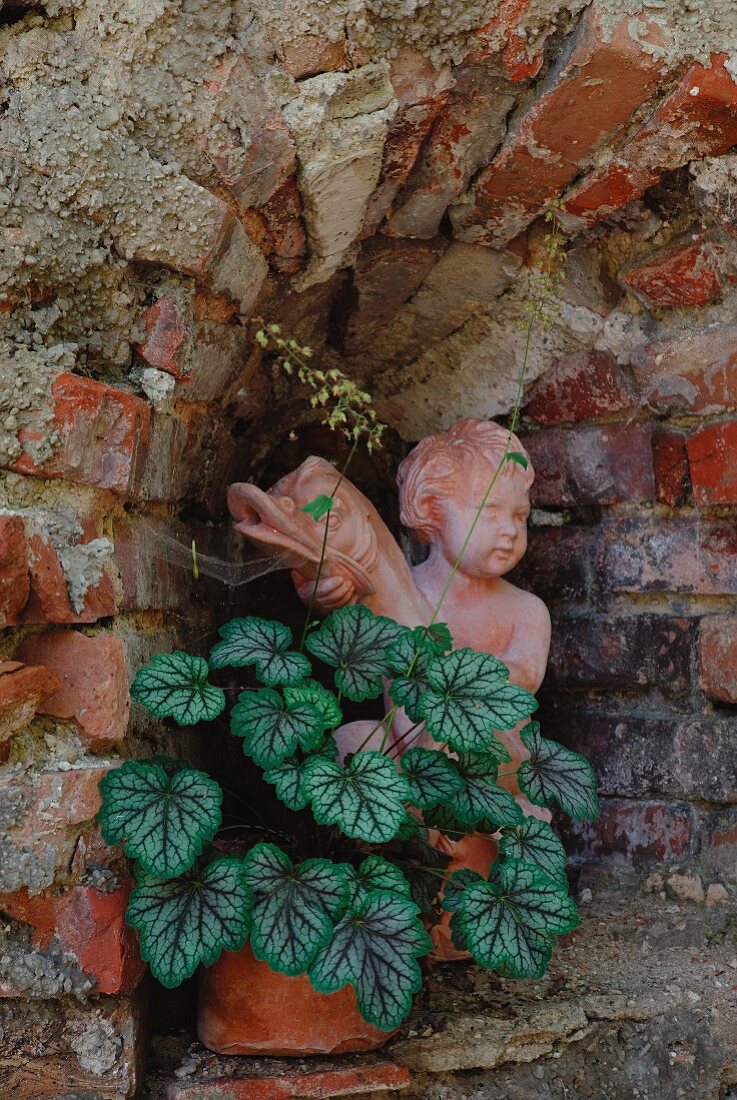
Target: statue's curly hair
{"type": "Point", "coordinates": [436, 460]}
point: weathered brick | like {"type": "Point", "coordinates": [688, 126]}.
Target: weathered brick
{"type": "Point", "coordinates": [49, 600]}
{"type": "Point", "coordinates": [718, 831]}
{"type": "Point", "coordinates": [638, 651]}
{"type": "Point", "coordinates": [601, 465]}
{"type": "Point", "coordinates": [638, 832]}
{"type": "Point", "coordinates": [43, 815]}
{"type": "Point", "coordinates": [22, 688]}
{"type": "Point", "coordinates": [360, 1077]}
{"type": "Point", "coordinates": [278, 227]}
{"type": "Point", "coordinates": [464, 136]}
{"type": "Point", "coordinates": [581, 386]}
{"type": "Point", "coordinates": [712, 458]}
{"type": "Point", "coordinates": [718, 657]}
{"type": "Point", "coordinates": [680, 555]}
{"type": "Point", "coordinates": [570, 120]}
{"type": "Point", "coordinates": [15, 584]}
{"type": "Point", "coordinates": [421, 91]}
{"type": "Point", "coordinates": [670, 462]}
{"type": "Point", "coordinates": [505, 35]}
{"type": "Point", "coordinates": [93, 686]}
{"type": "Point", "coordinates": [695, 372]}
{"type": "Point", "coordinates": [150, 577]}
{"type": "Point", "coordinates": [557, 565]}
{"type": "Point", "coordinates": [89, 924]}
{"type": "Point", "coordinates": [685, 273]}
{"type": "Point", "coordinates": [697, 119]}
{"type": "Point", "coordinates": [63, 1049]}
{"type": "Point", "coordinates": [311, 54]}
{"type": "Point", "coordinates": [102, 434]}
{"type": "Point", "coordinates": [168, 336]}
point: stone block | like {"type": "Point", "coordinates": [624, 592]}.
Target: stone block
{"type": "Point", "coordinates": [88, 924]}
{"type": "Point", "coordinates": [15, 585]}
{"type": "Point", "coordinates": [697, 119]}
{"type": "Point", "coordinates": [712, 459]}
{"type": "Point", "coordinates": [596, 465]}
{"type": "Point", "coordinates": [695, 372]}
{"type": "Point", "coordinates": [684, 555]}
{"type": "Point", "coordinates": [684, 273]}
{"type": "Point", "coordinates": [22, 689]}
{"type": "Point", "coordinates": [42, 816]}
{"type": "Point", "coordinates": [93, 682]}
{"type": "Point", "coordinates": [572, 116]}
{"type": "Point", "coordinates": [637, 832]}
{"type": "Point", "coordinates": [581, 386]}
{"type": "Point", "coordinates": [718, 657]}
{"type": "Point", "coordinates": [670, 463]}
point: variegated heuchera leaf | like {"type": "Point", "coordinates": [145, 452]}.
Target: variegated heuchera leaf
{"type": "Point", "coordinates": [469, 697]}
{"type": "Point", "coordinates": [365, 799]}
{"type": "Point", "coordinates": [408, 663]}
{"type": "Point", "coordinates": [287, 779]}
{"type": "Point", "coordinates": [535, 842]}
{"type": "Point", "coordinates": [163, 819]}
{"type": "Point", "coordinates": [353, 641]}
{"type": "Point", "coordinates": [480, 798]}
{"type": "Point", "coordinates": [174, 685]}
{"type": "Point", "coordinates": [273, 728]}
{"type": "Point", "coordinates": [310, 691]}
{"type": "Point", "coordinates": [295, 907]}
{"type": "Point", "coordinates": [432, 778]}
{"type": "Point", "coordinates": [189, 920]}
{"type": "Point", "coordinates": [374, 874]}
{"type": "Point", "coordinates": [556, 774]}
{"type": "Point", "coordinates": [375, 948]}
{"type": "Point", "coordinates": [264, 644]}
{"type": "Point", "coordinates": [509, 924]}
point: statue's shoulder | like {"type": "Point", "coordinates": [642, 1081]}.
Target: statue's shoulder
{"type": "Point", "coordinates": [527, 604]}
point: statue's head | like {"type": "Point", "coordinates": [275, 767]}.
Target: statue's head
{"type": "Point", "coordinates": [443, 481]}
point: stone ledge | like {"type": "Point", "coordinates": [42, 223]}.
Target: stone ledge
{"type": "Point", "coordinates": [641, 1001]}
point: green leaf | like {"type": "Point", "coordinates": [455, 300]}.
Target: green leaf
{"type": "Point", "coordinates": [272, 728]}
{"type": "Point", "coordinates": [165, 820]}
{"type": "Point", "coordinates": [535, 842]}
{"type": "Point", "coordinates": [186, 921]}
{"type": "Point", "coordinates": [410, 827]}
{"type": "Point", "coordinates": [519, 458]}
{"type": "Point", "coordinates": [510, 923]}
{"type": "Point", "coordinates": [481, 799]}
{"type": "Point", "coordinates": [263, 643]}
{"type": "Point", "coordinates": [174, 685]}
{"type": "Point", "coordinates": [287, 779]}
{"type": "Point", "coordinates": [431, 777]}
{"type": "Point", "coordinates": [365, 799]}
{"type": "Point", "coordinates": [295, 908]}
{"type": "Point", "coordinates": [445, 821]}
{"type": "Point", "coordinates": [556, 774]}
{"type": "Point", "coordinates": [318, 507]}
{"type": "Point", "coordinates": [353, 640]}
{"type": "Point", "coordinates": [375, 949]}
{"type": "Point", "coordinates": [435, 639]}
{"type": "Point", "coordinates": [406, 688]}
{"type": "Point", "coordinates": [310, 691]}
{"type": "Point", "coordinates": [375, 874]}
{"type": "Point", "coordinates": [421, 864]}
{"type": "Point", "coordinates": [468, 698]}
{"type": "Point", "coordinates": [456, 884]}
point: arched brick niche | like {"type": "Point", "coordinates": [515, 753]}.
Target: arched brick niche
{"type": "Point", "coordinates": [374, 179]}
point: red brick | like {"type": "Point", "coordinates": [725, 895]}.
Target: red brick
{"type": "Point", "coordinates": [48, 811]}
{"type": "Point", "coordinates": [151, 579]}
{"type": "Point", "coordinates": [686, 273]}
{"type": "Point", "coordinates": [168, 336]}
{"type": "Point", "coordinates": [88, 924]}
{"type": "Point", "coordinates": [602, 465]}
{"type": "Point", "coordinates": [670, 461]}
{"type": "Point", "coordinates": [15, 584]}
{"type": "Point", "coordinates": [695, 373]}
{"type": "Point", "coordinates": [718, 657]}
{"type": "Point", "coordinates": [712, 456]}
{"type": "Point", "coordinates": [279, 229]}
{"type": "Point", "coordinates": [505, 35]}
{"type": "Point", "coordinates": [464, 136]}
{"type": "Point", "coordinates": [638, 832]}
{"type": "Point", "coordinates": [93, 682]}
{"type": "Point", "coordinates": [303, 1081]}
{"type": "Point", "coordinates": [684, 555]}
{"type": "Point", "coordinates": [311, 54]}
{"type": "Point", "coordinates": [21, 690]}
{"type": "Point", "coordinates": [581, 386]}
{"type": "Point", "coordinates": [49, 600]}
{"type": "Point", "coordinates": [686, 126]}
{"type": "Point", "coordinates": [421, 92]}
{"type": "Point", "coordinates": [572, 118]}
{"type": "Point", "coordinates": [557, 565]}
{"type": "Point", "coordinates": [103, 433]}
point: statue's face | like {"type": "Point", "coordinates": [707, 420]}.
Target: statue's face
{"type": "Point", "coordinates": [500, 537]}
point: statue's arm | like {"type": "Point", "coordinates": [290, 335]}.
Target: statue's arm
{"type": "Point", "coordinates": [526, 654]}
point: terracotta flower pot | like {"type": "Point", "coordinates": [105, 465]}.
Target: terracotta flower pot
{"type": "Point", "coordinates": [474, 853]}
{"type": "Point", "coordinates": [246, 1008]}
